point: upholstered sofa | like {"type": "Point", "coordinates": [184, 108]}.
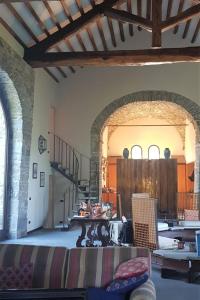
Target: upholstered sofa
{"type": "Point", "coordinates": [58, 267]}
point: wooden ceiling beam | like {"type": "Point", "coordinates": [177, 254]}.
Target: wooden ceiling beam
{"type": "Point", "coordinates": [186, 15]}
{"type": "Point", "coordinates": [99, 28]}
{"type": "Point", "coordinates": [169, 9]}
{"type": "Point", "coordinates": [125, 16]}
{"type": "Point", "coordinates": [121, 28]}
{"type": "Point", "coordinates": [180, 9]}
{"type": "Point", "coordinates": [115, 58]}
{"type": "Point", "coordinates": [196, 32]}
{"type": "Point", "coordinates": [186, 29]}
{"type": "Point", "coordinates": [87, 28]}
{"type": "Point", "coordinates": [129, 9]}
{"type": "Point", "coordinates": [139, 11]}
{"type": "Point", "coordinates": [156, 23]}
{"type": "Point", "coordinates": [72, 27]}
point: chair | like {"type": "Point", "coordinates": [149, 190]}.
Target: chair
{"type": "Point", "coordinates": [145, 225]}
{"type": "Point", "coordinates": [144, 215]}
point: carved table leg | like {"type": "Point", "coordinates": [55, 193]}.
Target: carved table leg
{"type": "Point", "coordinates": [105, 239]}
{"type": "Point", "coordinates": [82, 236]}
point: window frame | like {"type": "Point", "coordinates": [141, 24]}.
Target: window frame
{"type": "Point", "coordinates": [136, 145]}
{"type": "Point", "coordinates": [153, 145]}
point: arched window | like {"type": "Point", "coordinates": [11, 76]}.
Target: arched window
{"type": "Point", "coordinates": [3, 135]}
{"type": "Point", "coordinates": [153, 152]}
{"type": "Point", "coordinates": [136, 152]}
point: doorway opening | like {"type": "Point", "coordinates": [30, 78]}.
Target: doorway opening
{"type": "Point", "coordinates": [149, 127]}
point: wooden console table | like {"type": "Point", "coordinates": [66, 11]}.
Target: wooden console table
{"type": "Point", "coordinates": [92, 232]}
{"type": "Point", "coordinates": [177, 261]}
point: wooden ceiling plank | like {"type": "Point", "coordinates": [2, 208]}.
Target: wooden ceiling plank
{"type": "Point", "coordinates": [148, 12]}
{"type": "Point", "coordinates": [43, 29]}
{"type": "Point", "coordinates": [36, 17]}
{"type": "Point", "coordinates": [180, 9]}
{"type": "Point", "coordinates": [66, 10]}
{"type": "Point", "coordinates": [169, 9]}
{"type": "Point", "coordinates": [21, 21]}
{"type": "Point", "coordinates": [121, 28]}
{"type": "Point", "coordinates": [129, 9]}
{"type": "Point", "coordinates": [51, 74]}
{"type": "Point", "coordinates": [112, 34]}
{"type": "Point", "coordinates": [186, 15]}
{"type": "Point", "coordinates": [156, 23]}
{"type": "Point", "coordinates": [69, 17]}
{"type": "Point", "coordinates": [115, 58]}
{"type": "Point", "coordinates": [73, 27]}
{"type": "Point", "coordinates": [91, 37]}
{"type": "Point", "coordinates": [88, 30]}
{"type": "Point", "coordinates": [51, 13]}
{"type": "Point", "coordinates": [125, 16]}
{"type": "Point", "coordinates": [186, 29]}
{"type": "Point", "coordinates": [196, 32]}
{"type": "Point", "coordinates": [100, 29]}
{"type": "Point", "coordinates": [139, 11]}
{"type": "Point", "coordinates": [57, 24]}
{"type": "Point", "coordinates": [12, 32]}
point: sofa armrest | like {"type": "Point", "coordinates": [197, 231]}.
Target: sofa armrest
{"type": "Point", "coordinates": [144, 292]}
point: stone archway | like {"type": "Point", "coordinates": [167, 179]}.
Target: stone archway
{"type": "Point", "coordinates": [17, 97]}
{"type": "Point", "coordinates": [98, 125]}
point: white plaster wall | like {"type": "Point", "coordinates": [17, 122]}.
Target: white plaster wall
{"type": "Point", "coordinates": [83, 96]}
{"type": "Point", "coordinates": [190, 141]}
{"type": "Point", "coordinates": [44, 97]}
{"type": "Point", "coordinates": [162, 136]}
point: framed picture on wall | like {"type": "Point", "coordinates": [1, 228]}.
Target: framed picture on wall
{"type": "Point", "coordinates": [35, 170]}
{"type": "Point", "coordinates": [42, 179]}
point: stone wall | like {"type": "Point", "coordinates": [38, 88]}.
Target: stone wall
{"type": "Point", "coordinates": [17, 96]}
{"type": "Point", "coordinates": [188, 105]}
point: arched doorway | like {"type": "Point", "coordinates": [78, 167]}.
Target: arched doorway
{"type": "Point", "coordinates": [17, 98]}
{"type": "Point", "coordinates": [3, 166]}
{"type": "Point", "coordinates": [187, 105]}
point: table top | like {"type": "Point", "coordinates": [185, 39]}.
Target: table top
{"type": "Point", "coordinates": [88, 220]}
{"type": "Point", "coordinates": [178, 254]}
{"type": "Point", "coordinates": [179, 227]}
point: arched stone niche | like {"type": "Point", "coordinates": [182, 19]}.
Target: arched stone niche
{"type": "Point", "coordinates": [191, 108]}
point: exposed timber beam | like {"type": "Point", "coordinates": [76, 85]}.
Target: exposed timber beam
{"type": "Point", "coordinates": [156, 23]}
{"type": "Point", "coordinates": [72, 27]}
{"type": "Point", "coordinates": [186, 15]}
{"type": "Point", "coordinates": [125, 16]}
{"type": "Point", "coordinates": [115, 58]}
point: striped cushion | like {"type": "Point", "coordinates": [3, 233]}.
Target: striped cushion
{"type": "Point", "coordinates": [48, 263]}
{"type": "Point", "coordinates": [144, 292]}
{"type": "Point", "coordinates": [95, 267]}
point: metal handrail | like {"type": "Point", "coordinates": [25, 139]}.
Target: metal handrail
{"type": "Point", "coordinates": [64, 155]}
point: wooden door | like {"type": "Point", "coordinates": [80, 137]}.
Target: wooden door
{"type": "Point", "coordinates": [157, 177]}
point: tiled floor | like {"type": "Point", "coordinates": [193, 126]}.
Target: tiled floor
{"type": "Point", "coordinates": [167, 289]}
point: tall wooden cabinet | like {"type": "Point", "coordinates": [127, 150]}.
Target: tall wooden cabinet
{"type": "Point", "coordinates": [158, 177]}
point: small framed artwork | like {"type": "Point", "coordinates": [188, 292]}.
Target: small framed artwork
{"type": "Point", "coordinates": [42, 179]}
{"type": "Point", "coordinates": [35, 170]}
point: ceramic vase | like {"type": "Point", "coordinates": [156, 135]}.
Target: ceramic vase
{"type": "Point", "coordinates": [167, 153]}
{"type": "Point", "coordinates": [126, 153]}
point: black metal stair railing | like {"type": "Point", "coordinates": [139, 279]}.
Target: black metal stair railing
{"type": "Point", "coordinates": [63, 158]}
